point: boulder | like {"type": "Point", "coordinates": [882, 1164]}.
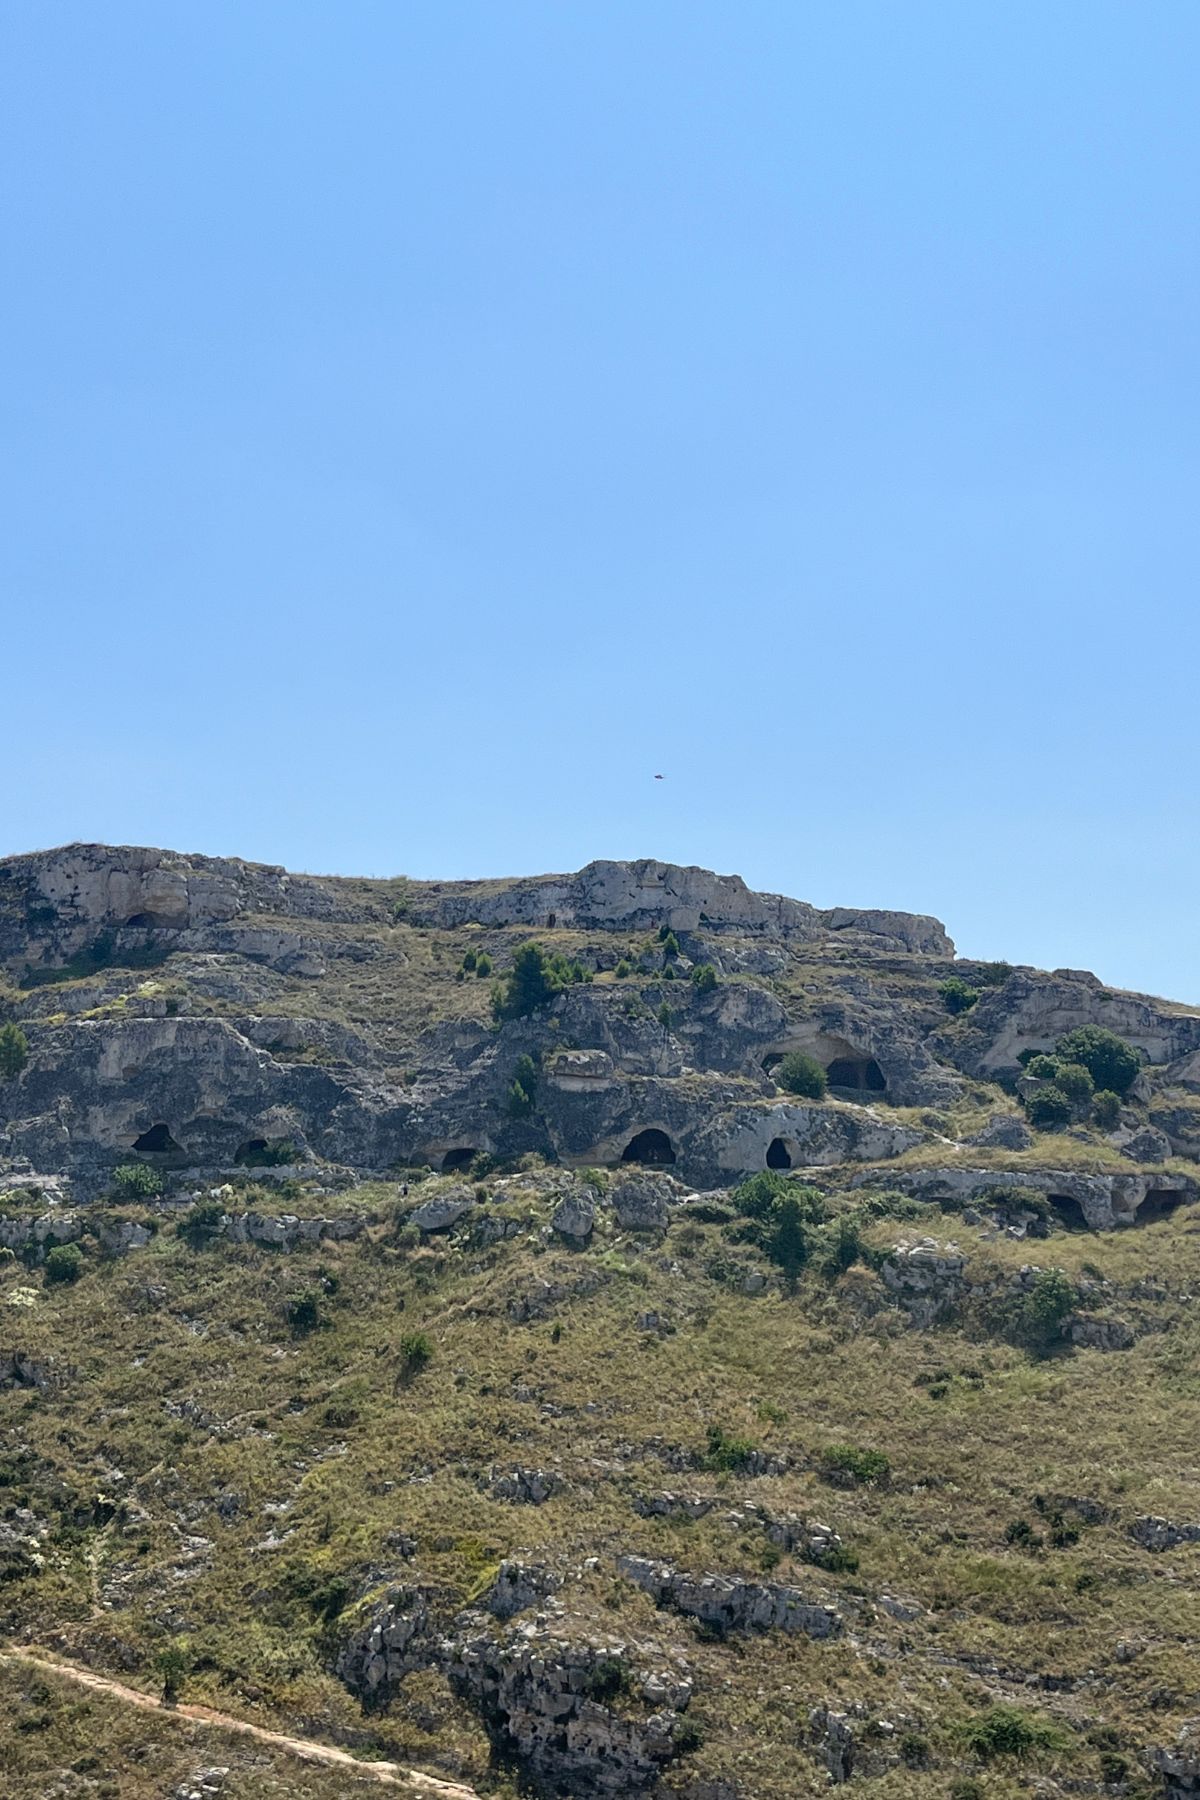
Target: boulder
{"type": "Point", "coordinates": [575, 1216]}
{"type": "Point", "coordinates": [444, 1211]}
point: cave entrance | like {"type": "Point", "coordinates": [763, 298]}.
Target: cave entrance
{"type": "Point", "coordinates": [778, 1154]}
{"type": "Point", "coordinates": [1070, 1212]}
{"type": "Point", "coordinates": [1158, 1203]}
{"type": "Point", "coordinates": [157, 1142]}
{"type": "Point", "coordinates": [252, 1154]}
{"type": "Point", "coordinates": [856, 1075]}
{"type": "Point", "coordinates": [772, 1061]}
{"type": "Point", "coordinates": [459, 1158]}
{"type": "Point", "coordinates": [649, 1146]}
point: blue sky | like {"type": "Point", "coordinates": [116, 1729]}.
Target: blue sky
{"type": "Point", "coordinates": [425, 423]}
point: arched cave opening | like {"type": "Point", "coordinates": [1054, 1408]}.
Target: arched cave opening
{"type": "Point", "coordinates": [856, 1074]}
{"type": "Point", "coordinates": [649, 1146]}
{"type": "Point", "coordinates": [772, 1061]}
{"type": "Point", "coordinates": [778, 1154]}
{"type": "Point", "coordinates": [157, 1142]}
{"type": "Point", "coordinates": [250, 1155]}
{"type": "Point", "coordinates": [461, 1157]}
{"type": "Point", "coordinates": [1158, 1203]}
{"type": "Point", "coordinates": [1070, 1212]}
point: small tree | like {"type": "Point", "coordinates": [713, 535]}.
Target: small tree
{"type": "Point", "coordinates": [416, 1351]}
{"type": "Point", "coordinates": [64, 1264]}
{"type": "Point", "coordinates": [787, 1244]}
{"type": "Point", "coordinates": [956, 996]}
{"type": "Point", "coordinates": [1075, 1082]}
{"type": "Point", "coordinates": [483, 965]}
{"type": "Point", "coordinates": [173, 1664]}
{"type": "Point", "coordinates": [1039, 1320]}
{"type": "Point", "coordinates": [1049, 1106]}
{"type": "Point", "coordinates": [535, 979]}
{"type": "Point", "coordinates": [802, 1074]}
{"type": "Point", "coordinates": [665, 1016]}
{"type": "Point", "coordinates": [14, 1050]}
{"type": "Point", "coordinates": [704, 978]}
{"type": "Point", "coordinates": [469, 961]}
{"type": "Point", "coordinates": [1106, 1108]}
{"type": "Point", "coordinates": [670, 946]}
{"type": "Point", "coordinates": [1108, 1059]}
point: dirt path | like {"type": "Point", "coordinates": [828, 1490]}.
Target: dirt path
{"type": "Point", "coordinates": [390, 1774]}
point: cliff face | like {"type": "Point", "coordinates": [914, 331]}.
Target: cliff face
{"type": "Point", "coordinates": [195, 1009]}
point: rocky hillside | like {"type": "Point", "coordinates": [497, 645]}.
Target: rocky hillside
{"type": "Point", "coordinates": [605, 1334]}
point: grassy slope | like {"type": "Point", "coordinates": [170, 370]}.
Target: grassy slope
{"type": "Point", "coordinates": [184, 1377]}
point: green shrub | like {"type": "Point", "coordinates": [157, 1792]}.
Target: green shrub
{"type": "Point", "coordinates": [536, 978]}
{"type": "Point", "coordinates": [1075, 1082]}
{"type": "Point", "coordinates": [842, 1247]}
{"type": "Point", "coordinates": [303, 1311]}
{"type": "Point", "coordinates": [665, 1016]}
{"type": "Point", "coordinates": [670, 945]}
{"type": "Point", "coordinates": [864, 1468]}
{"type": "Point", "coordinates": [416, 1351]}
{"type": "Point", "coordinates": [787, 1241]}
{"type": "Point", "coordinates": [173, 1665]}
{"type": "Point", "coordinates": [14, 1050]}
{"type": "Point", "coordinates": [965, 1790]}
{"type": "Point", "coordinates": [483, 965]}
{"type": "Point", "coordinates": [759, 1196]}
{"type": "Point", "coordinates": [1106, 1107]}
{"type": "Point", "coordinates": [1042, 1067]}
{"type": "Point", "coordinates": [135, 1181]}
{"type": "Point", "coordinates": [520, 1100]}
{"type": "Point", "coordinates": [608, 1679]}
{"type": "Point", "coordinates": [914, 1750]}
{"type": "Point", "coordinates": [1108, 1059]}
{"type": "Point", "coordinates": [1037, 1324]}
{"type": "Point", "coordinates": [993, 974]}
{"type": "Point", "coordinates": [623, 969]}
{"type": "Point", "coordinates": [1049, 1106]}
{"type": "Point", "coordinates": [202, 1221]}
{"type": "Point", "coordinates": [704, 978]}
{"type": "Point", "coordinates": [727, 1452]}
{"type": "Point", "coordinates": [469, 960]}
{"type": "Point", "coordinates": [799, 1073]}
{"type": "Point", "coordinates": [1020, 1533]}
{"type": "Point", "coordinates": [1010, 1731]}
{"type": "Point", "coordinates": [64, 1264]}
{"type": "Point", "coordinates": [956, 996]}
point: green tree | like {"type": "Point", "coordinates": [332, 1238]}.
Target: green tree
{"type": "Point", "coordinates": [956, 996]}
{"type": "Point", "coordinates": [303, 1311]}
{"type": "Point", "coordinates": [64, 1264]}
{"type": "Point", "coordinates": [1076, 1083]}
{"type": "Point", "coordinates": [1108, 1059]}
{"type": "Point", "coordinates": [1038, 1323]}
{"type": "Point", "coordinates": [14, 1050]}
{"type": "Point", "coordinates": [135, 1181]}
{"type": "Point", "coordinates": [470, 958]}
{"type": "Point", "coordinates": [1106, 1107]}
{"type": "Point", "coordinates": [665, 1016]}
{"type": "Point", "coordinates": [787, 1242]}
{"type": "Point", "coordinates": [173, 1665]}
{"type": "Point", "coordinates": [1049, 1106]}
{"type": "Point", "coordinates": [801, 1074]}
{"type": "Point", "coordinates": [535, 979]}
{"type": "Point", "coordinates": [483, 965]}
{"type": "Point", "coordinates": [704, 978]}
{"type": "Point", "coordinates": [670, 945]}
{"type": "Point", "coordinates": [520, 1100]}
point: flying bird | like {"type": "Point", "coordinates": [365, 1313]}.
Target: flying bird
{"type": "Point", "coordinates": [658, 778]}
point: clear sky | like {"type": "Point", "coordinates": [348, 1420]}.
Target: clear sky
{"type": "Point", "coordinates": [423, 423]}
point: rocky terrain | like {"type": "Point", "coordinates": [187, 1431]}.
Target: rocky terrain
{"type": "Point", "coordinates": [605, 1334]}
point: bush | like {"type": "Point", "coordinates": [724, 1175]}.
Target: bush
{"type": "Point", "coordinates": [914, 1750]}
{"type": "Point", "coordinates": [865, 1468]}
{"type": "Point", "coordinates": [468, 962]}
{"type": "Point", "coordinates": [1010, 1731]}
{"type": "Point", "coordinates": [607, 1679]}
{"type": "Point", "coordinates": [14, 1050]}
{"type": "Point", "coordinates": [1075, 1082]}
{"type": "Point", "coordinates": [670, 945]}
{"type": "Point", "coordinates": [842, 1249]}
{"type": "Point", "coordinates": [135, 1181]}
{"type": "Point", "coordinates": [727, 1452]}
{"type": "Point", "coordinates": [704, 978]}
{"type": "Point", "coordinates": [1049, 1106]}
{"type": "Point", "coordinates": [173, 1664]}
{"type": "Point", "coordinates": [202, 1221]}
{"type": "Point", "coordinates": [623, 969]}
{"type": "Point", "coordinates": [1037, 1325]}
{"type": "Point", "coordinates": [483, 965]}
{"type": "Point", "coordinates": [1042, 1067]}
{"type": "Point", "coordinates": [519, 1103]}
{"type": "Point", "coordinates": [760, 1195]}
{"type": "Point", "coordinates": [303, 1311]}
{"type": "Point", "coordinates": [993, 974]}
{"type": "Point", "coordinates": [965, 1790]}
{"type": "Point", "coordinates": [1106, 1107]}
{"type": "Point", "coordinates": [1108, 1059]}
{"type": "Point", "coordinates": [665, 1016]}
{"type": "Point", "coordinates": [64, 1264]}
{"type": "Point", "coordinates": [787, 1242]}
{"type": "Point", "coordinates": [416, 1351]}
{"type": "Point", "coordinates": [956, 996]}
{"type": "Point", "coordinates": [535, 979]}
{"type": "Point", "coordinates": [801, 1074]}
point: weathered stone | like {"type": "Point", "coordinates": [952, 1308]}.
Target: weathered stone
{"type": "Point", "coordinates": [575, 1216]}
{"type": "Point", "coordinates": [643, 1202]}
{"type": "Point", "coordinates": [444, 1211]}
{"type": "Point", "coordinates": [729, 1604]}
{"type": "Point", "coordinates": [1161, 1534]}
